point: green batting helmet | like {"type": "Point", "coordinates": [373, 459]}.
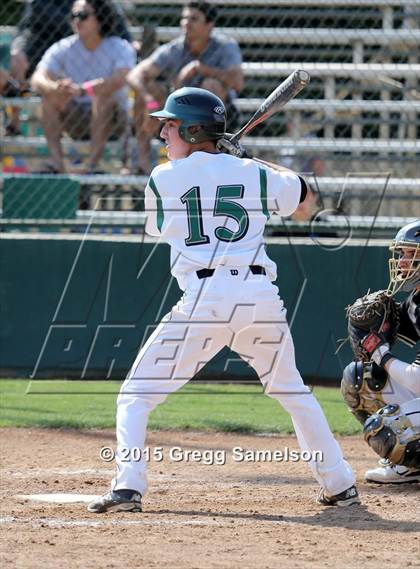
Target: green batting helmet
{"type": "Point", "coordinates": [198, 108]}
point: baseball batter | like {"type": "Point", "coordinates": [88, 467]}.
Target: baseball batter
{"type": "Point", "coordinates": [211, 208]}
{"type": "Point", "coordinates": [384, 394]}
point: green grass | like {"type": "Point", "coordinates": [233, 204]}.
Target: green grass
{"type": "Point", "coordinates": [91, 404]}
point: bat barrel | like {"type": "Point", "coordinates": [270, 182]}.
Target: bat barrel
{"type": "Point", "coordinates": [286, 91]}
{"type": "Point", "coordinates": [274, 102]}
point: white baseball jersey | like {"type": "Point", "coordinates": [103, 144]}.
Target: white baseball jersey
{"type": "Point", "coordinates": [212, 209]}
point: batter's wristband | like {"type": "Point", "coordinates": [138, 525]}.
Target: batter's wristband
{"type": "Point", "coordinates": [88, 87]}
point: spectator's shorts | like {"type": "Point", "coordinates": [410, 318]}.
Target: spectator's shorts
{"type": "Point", "coordinates": [78, 114]}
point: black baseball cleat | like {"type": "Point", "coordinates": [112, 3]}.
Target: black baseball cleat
{"type": "Point", "coordinates": [346, 498]}
{"type": "Point", "coordinates": [117, 501]}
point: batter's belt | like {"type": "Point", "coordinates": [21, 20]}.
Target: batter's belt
{"type": "Point", "coordinates": [255, 270]}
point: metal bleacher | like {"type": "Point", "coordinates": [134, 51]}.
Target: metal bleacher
{"type": "Point", "coordinates": [360, 113]}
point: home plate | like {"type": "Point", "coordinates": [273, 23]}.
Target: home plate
{"type": "Point", "coordinates": [59, 498]}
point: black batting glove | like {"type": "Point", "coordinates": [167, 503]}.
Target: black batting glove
{"type": "Point", "coordinates": [234, 148]}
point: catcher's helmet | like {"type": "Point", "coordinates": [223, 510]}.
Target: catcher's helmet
{"type": "Point", "coordinates": [404, 273]}
{"type": "Point", "coordinates": [195, 108]}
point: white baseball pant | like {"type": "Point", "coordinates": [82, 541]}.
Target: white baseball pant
{"type": "Point", "coordinates": [242, 311]}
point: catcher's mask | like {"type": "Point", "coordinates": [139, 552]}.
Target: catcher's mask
{"type": "Point", "coordinates": [203, 115]}
{"type": "Point", "coordinates": [404, 264]}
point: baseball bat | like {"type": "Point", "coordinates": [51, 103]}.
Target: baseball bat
{"type": "Point", "coordinates": [275, 101]}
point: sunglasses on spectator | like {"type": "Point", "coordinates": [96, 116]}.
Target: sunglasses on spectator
{"type": "Point", "coordinates": [82, 15]}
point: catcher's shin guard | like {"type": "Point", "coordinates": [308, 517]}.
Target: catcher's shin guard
{"type": "Point", "coordinates": [391, 434]}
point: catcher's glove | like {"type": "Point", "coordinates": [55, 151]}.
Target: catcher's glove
{"type": "Point", "coordinates": [225, 145]}
{"type": "Point", "coordinates": [373, 323]}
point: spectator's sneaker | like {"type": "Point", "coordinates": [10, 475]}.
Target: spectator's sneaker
{"type": "Point", "coordinates": [392, 474]}
{"type": "Point", "coordinates": [12, 130]}
{"type": "Point", "coordinates": [11, 88]}
{"type": "Point", "coordinates": [48, 168]}
{"type": "Point", "coordinates": [346, 498]}
{"type": "Point", "coordinates": [117, 501]}
{"type": "Point", "coordinates": [14, 89]}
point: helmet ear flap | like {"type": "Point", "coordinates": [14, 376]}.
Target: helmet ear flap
{"type": "Point", "coordinates": [187, 132]}
{"type": "Point", "coordinates": [193, 133]}
{"type": "Point", "coordinates": [194, 130]}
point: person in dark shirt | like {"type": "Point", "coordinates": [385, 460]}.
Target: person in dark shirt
{"type": "Point", "coordinates": [384, 394]}
{"type": "Point", "coordinates": [197, 58]}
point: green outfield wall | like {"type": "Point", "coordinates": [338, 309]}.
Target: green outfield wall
{"type": "Point", "coordinates": [74, 307]}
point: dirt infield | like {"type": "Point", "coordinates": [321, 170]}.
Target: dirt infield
{"type": "Point", "coordinates": [240, 514]}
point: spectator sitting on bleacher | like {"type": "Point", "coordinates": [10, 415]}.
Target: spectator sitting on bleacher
{"type": "Point", "coordinates": [196, 59]}
{"type": "Point", "coordinates": [82, 83]}
{"type": "Point", "coordinates": [44, 22]}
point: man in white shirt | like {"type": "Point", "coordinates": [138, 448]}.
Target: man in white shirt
{"type": "Point", "coordinates": [211, 208]}
{"type": "Point", "coordinates": [81, 79]}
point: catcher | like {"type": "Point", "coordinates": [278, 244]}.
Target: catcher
{"type": "Point", "coordinates": [382, 391]}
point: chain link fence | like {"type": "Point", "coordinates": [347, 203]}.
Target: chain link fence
{"type": "Point", "coordinates": [354, 130]}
